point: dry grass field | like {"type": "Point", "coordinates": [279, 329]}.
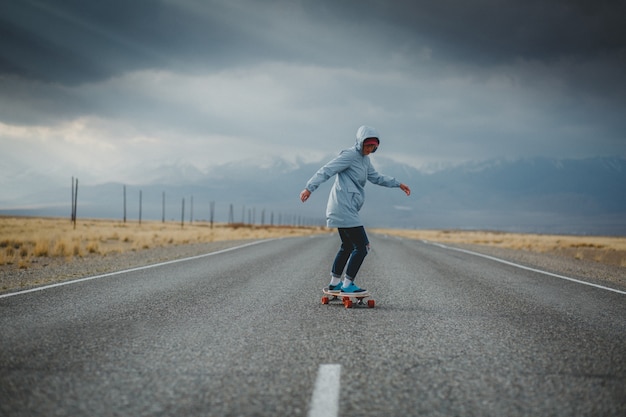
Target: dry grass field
{"type": "Point", "coordinates": [606, 250]}
{"type": "Point", "coordinates": [23, 239]}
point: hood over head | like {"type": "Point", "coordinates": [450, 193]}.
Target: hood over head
{"type": "Point", "coordinates": [363, 133]}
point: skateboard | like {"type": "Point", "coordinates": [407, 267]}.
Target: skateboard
{"type": "Point", "coordinates": [348, 300]}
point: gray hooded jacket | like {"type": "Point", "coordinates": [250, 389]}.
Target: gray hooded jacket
{"type": "Point", "coordinates": [352, 170]}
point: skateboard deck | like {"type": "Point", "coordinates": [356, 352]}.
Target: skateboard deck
{"type": "Point", "coordinates": [348, 300]}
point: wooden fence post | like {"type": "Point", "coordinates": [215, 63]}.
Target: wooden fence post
{"type": "Point", "coordinates": [124, 203]}
{"type": "Point", "coordinates": [75, 203]}
{"type": "Point", "coordinates": [182, 219]}
{"type": "Point", "coordinates": [140, 198]}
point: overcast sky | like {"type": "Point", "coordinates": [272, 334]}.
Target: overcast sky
{"type": "Point", "coordinates": [108, 90]}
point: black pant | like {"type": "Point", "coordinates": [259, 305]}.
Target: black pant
{"type": "Point", "coordinates": [353, 250]}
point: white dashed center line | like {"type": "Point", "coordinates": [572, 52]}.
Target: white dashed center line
{"type": "Point", "coordinates": [325, 401]}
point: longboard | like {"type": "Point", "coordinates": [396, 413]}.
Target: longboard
{"type": "Point", "coordinates": [348, 300]}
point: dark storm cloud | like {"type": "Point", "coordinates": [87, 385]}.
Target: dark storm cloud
{"type": "Point", "coordinates": [75, 41]}
{"type": "Point", "coordinates": [584, 41]}
{"type": "Point", "coordinates": [504, 29]}
{"type": "Point", "coordinates": [71, 41]}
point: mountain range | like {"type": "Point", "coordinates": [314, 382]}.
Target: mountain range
{"type": "Point", "coordinates": [538, 195]}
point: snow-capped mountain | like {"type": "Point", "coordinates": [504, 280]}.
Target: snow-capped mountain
{"type": "Point", "coordinates": [532, 195]}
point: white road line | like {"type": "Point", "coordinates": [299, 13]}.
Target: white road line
{"type": "Point", "coordinates": [325, 400]}
{"type": "Point", "coordinates": [525, 267]}
{"type": "Point", "coordinates": [60, 284]}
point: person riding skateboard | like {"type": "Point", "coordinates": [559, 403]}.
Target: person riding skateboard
{"type": "Point", "coordinates": [352, 168]}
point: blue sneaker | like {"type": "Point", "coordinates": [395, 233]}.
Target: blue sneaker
{"type": "Point", "coordinates": [334, 288]}
{"type": "Point", "coordinates": [352, 288]}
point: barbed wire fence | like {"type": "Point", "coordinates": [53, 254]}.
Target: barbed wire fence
{"type": "Point", "coordinates": [266, 217]}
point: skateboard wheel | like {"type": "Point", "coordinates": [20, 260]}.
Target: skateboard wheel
{"type": "Point", "coordinates": [324, 300]}
{"type": "Point", "coordinates": [348, 303]}
{"type": "Point", "coordinates": [371, 303]}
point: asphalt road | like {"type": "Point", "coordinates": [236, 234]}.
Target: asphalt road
{"type": "Point", "coordinates": [243, 332]}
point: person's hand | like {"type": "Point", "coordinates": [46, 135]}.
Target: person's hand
{"type": "Point", "coordinates": [304, 195]}
{"type": "Point", "coordinates": [406, 189]}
